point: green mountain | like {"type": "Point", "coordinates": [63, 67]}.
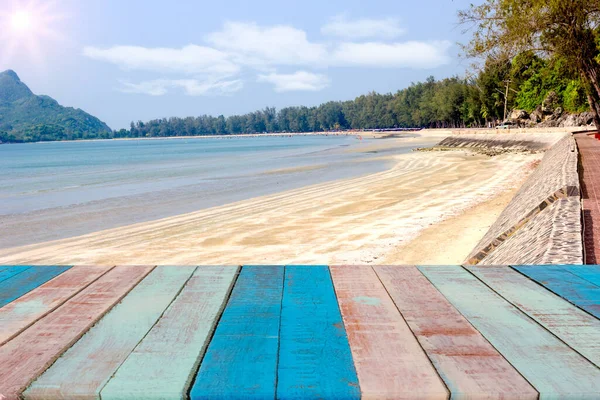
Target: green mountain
{"type": "Point", "coordinates": [25, 117]}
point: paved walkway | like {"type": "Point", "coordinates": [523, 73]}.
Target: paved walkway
{"type": "Point", "coordinates": [295, 332]}
{"type": "Point", "coordinates": [589, 149]}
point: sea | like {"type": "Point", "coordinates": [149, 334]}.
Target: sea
{"type": "Point", "coordinates": [62, 189]}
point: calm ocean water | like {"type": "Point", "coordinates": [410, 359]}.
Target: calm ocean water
{"type": "Point", "coordinates": [103, 184]}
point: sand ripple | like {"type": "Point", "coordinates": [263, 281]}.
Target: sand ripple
{"type": "Point", "coordinates": [358, 220]}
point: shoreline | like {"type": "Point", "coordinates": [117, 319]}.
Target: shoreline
{"type": "Point", "coordinates": [369, 134]}
{"type": "Point", "coordinates": [356, 220]}
{"type": "Point", "coordinates": [427, 132]}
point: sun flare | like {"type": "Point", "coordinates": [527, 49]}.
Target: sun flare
{"type": "Point", "coordinates": [31, 25]}
{"type": "Point", "coordinates": [21, 21]}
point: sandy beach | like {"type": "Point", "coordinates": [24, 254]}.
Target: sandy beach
{"type": "Point", "coordinates": [430, 207]}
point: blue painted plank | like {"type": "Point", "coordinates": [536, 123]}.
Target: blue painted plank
{"type": "Point", "coordinates": [590, 273]}
{"type": "Point", "coordinates": [315, 361]}
{"type": "Point", "coordinates": [25, 281]}
{"type": "Point", "coordinates": [567, 285]}
{"type": "Point", "coordinates": [9, 272]}
{"type": "Point", "coordinates": [241, 359]}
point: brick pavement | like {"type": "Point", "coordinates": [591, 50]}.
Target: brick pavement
{"type": "Point", "coordinates": [589, 149]}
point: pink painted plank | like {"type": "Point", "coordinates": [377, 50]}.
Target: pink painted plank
{"type": "Point", "coordinates": [26, 310]}
{"type": "Point", "coordinates": [389, 361]}
{"type": "Point", "coordinates": [26, 356]}
{"type": "Point", "coordinates": [467, 362]}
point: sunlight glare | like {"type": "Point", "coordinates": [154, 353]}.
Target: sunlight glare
{"type": "Point", "coordinates": [21, 21]}
{"type": "Point", "coordinates": [32, 27]}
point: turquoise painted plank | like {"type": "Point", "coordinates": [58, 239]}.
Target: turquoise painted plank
{"type": "Point", "coordinates": [315, 361]}
{"type": "Point", "coordinates": [567, 285]}
{"type": "Point", "coordinates": [165, 362]}
{"type": "Point", "coordinates": [241, 359]}
{"type": "Point", "coordinates": [575, 327]}
{"type": "Point", "coordinates": [9, 272]}
{"type": "Point", "coordinates": [27, 280]}
{"type": "Point", "coordinates": [95, 358]}
{"type": "Point", "coordinates": [553, 368]}
{"type": "Point", "coordinates": [590, 273]}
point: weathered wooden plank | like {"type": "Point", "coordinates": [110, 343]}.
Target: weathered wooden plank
{"type": "Point", "coordinates": [573, 326]}
{"type": "Point", "coordinates": [314, 356]}
{"type": "Point", "coordinates": [26, 310]}
{"type": "Point", "coordinates": [241, 359]}
{"type": "Point", "coordinates": [389, 361]}
{"type": "Point", "coordinates": [10, 271]}
{"type": "Point", "coordinates": [466, 361]}
{"type": "Point", "coordinates": [165, 362]}
{"type": "Point", "coordinates": [25, 357]}
{"type": "Point", "coordinates": [553, 368]}
{"type": "Point", "coordinates": [27, 280]}
{"type": "Point", "coordinates": [98, 354]}
{"type": "Point", "coordinates": [590, 273]}
{"type": "Point", "coordinates": [567, 285]}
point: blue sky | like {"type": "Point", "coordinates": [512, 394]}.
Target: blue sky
{"type": "Point", "coordinates": [125, 60]}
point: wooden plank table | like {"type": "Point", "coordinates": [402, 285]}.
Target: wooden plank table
{"type": "Point", "coordinates": [26, 310]}
{"type": "Point", "coordinates": [575, 289]}
{"type": "Point", "coordinates": [314, 356]}
{"type": "Point", "coordinates": [575, 327]}
{"type": "Point", "coordinates": [100, 352]}
{"type": "Point", "coordinates": [8, 272]}
{"type": "Point", "coordinates": [164, 364]}
{"type": "Point", "coordinates": [590, 273]}
{"type": "Point", "coordinates": [389, 361]}
{"type": "Point", "coordinates": [27, 280]}
{"type": "Point", "coordinates": [553, 368]}
{"type": "Point", "coordinates": [468, 363]}
{"type": "Point", "coordinates": [28, 355]}
{"type": "Point", "coordinates": [242, 356]}
{"type": "Point", "coordinates": [384, 332]}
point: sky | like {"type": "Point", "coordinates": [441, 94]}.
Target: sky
{"type": "Point", "coordinates": [126, 60]}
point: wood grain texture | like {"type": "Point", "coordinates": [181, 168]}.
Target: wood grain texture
{"type": "Point", "coordinates": [241, 359]}
{"type": "Point", "coordinates": [553, 368]}
{"type": "Point", "coordinates": [98, 354]}
{"type": "Point", "coordinates": [10, 271]}
{"type": "Point", "coordinates": [389, 361]}
{"type": "Point", "coordinates": [165, 362]}
{"type": "Point", "coordinates": [466, 361]}
{"type": "Point", "coordinates": [573, 326]}
{"type": "Point", "coordinates": [27, 280]}
{"type": "Point", "coordinates": [567, 285]}
{"type": "Point", "coordinates": [315, 361]}
{"type": "Point", "coordinates": [590, 273]}
{"type": "Point", "coordinates": [25, 357]}
{"type": "Point", "coordinates": [26, 310]}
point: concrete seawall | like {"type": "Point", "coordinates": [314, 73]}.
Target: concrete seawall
{"type": "Point", "coordinates": [497, 143]}
{"type": "Point", "coordinates": [542, 224]}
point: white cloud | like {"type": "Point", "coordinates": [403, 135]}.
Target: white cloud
{"type": "Point", "coordinates": [340, 26]}
{"type": "Point", "coordinates": [393, 55]}
{"type": "Point", "coordinates": [216, 67]}
{"type": "Point", "coordinates": [190, 59]}
{"type": "Point", "coordinates": [298, 81]}
{"type": "Point", "coordinates": [192, 87]}
{"type": "Point", "coordinates": [262, 47]}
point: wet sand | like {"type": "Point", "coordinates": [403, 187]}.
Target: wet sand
{"type": "Point", "coordinates": [365, 220]}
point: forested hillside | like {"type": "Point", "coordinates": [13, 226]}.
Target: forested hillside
{"type": "Point", "coordinates": [25, 117]}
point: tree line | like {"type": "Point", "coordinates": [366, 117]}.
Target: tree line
{"type": "Point", "coordinates": [523, 83]}
{"type": "Point", "coordinates": [448, 103]}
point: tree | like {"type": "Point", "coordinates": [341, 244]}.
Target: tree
{"type": "Point", "coordinates": [565, 29]}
